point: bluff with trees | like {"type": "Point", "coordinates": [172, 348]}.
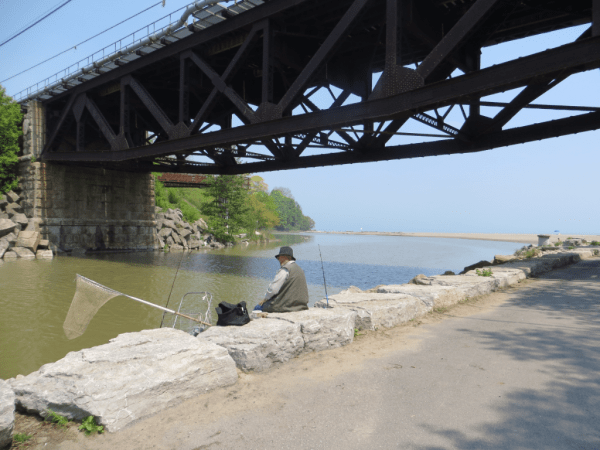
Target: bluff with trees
{"type": "Point", "coordinates": [234, 204]}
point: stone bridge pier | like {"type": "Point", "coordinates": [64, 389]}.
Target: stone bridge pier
{"type": "Point", "coordinates": [81, 207]}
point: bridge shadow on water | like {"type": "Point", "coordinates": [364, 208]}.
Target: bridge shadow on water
{"type": "Point", "coordinates": [563, 411]}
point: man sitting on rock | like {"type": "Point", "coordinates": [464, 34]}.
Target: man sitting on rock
{"type": "Point", "coordinates": [288, 292]}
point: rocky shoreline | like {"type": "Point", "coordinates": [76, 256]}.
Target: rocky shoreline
{"type": "Point", "coordinates": [165, 366]}
{"type": "Point", "coordinates": [19, 235]}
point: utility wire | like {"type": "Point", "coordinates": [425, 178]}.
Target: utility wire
{"type": "Point", "coordinates": [81, 43]}
{"type": "Point", "coordinates": [36, 22]}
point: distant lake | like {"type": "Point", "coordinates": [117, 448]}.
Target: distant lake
{"type": "Point", "coordinates": [36, 295]}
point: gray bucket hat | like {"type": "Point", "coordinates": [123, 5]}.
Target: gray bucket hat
{"type": "Point", "coordinates": [286, 251]}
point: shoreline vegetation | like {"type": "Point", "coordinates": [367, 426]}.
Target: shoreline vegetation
{"type": "Point", "coordinates": [502, 237]}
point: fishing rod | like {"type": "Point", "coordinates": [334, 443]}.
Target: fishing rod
{"type": "Point", "coordinates": [324, 282]}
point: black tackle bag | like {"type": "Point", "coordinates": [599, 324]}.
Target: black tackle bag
{"type": "Point", "coordinates": [232, 314]}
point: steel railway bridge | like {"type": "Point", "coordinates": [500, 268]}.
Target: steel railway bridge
{"type": "Point", "coordinates": [233, 91]}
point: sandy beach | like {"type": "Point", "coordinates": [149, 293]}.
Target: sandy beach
{"type": "Point", "coordinates": [504, 237]}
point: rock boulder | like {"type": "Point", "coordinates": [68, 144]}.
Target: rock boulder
{"type": "Point", "coordinates": [375, 310]}
{"type": "Point", "coordinates": [44, 254]}
{"type": "Point", "coordinates": [24, 253]}
{"type": "Point", "coordinates": [7, 413]}
{"type": "Point", "coordinates": [6, 226]}
{"type": "Point", "coordinates": [321, 328]}
{"type": "Point", "coordinates": [13, 197]}
{"type": "Point", "coordinates": [259, 344]}
{"type": "Point", "coordinates": [133, 376]}
{"type": "Point", "coordinates": [29, 240]}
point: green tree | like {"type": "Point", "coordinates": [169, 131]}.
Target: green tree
{"type": "Point", "coordinates": [228, 207]}
{"type": "Point", "coordinates": [263, 211]}
{"type": "Point", "coordinates": [10, 119]}
{"type": "Point", "coordinates": [290, 213]}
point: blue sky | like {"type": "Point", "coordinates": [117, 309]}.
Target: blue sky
{"type": "Point", "coordinates": [532, 188]}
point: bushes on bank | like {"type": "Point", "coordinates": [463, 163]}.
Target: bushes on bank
{"type": "Point", "coordinates": [10, 120]}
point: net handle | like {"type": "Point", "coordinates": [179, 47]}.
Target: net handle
{"type": "Point", "coordinates": [143, 301]}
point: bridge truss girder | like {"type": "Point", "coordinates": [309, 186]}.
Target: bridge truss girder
{"type": "Point", "coordinates": [156, 113]}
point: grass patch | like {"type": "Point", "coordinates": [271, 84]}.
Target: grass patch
{"type": "Point", "coordinates": [595, 243]}
{"type": "Point", "coordinates": [357, 334]}
{"type": "Point", "coordinates": [21, 437]}
{"type": "Point", "coordinates": [90, 426]}
{"type": "Point", "coordinates": [571, 247]}
{"type": "Point", "coordinates": [484, 272]}
{"type": "Point", "coordinates": [557, 244]}
{"type": "Point", "coordinates": [57, 419]}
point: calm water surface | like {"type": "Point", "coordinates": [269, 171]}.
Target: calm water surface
{"type": "Point", "coordinates": [35, 295]}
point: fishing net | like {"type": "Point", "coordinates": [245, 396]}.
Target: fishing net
{"type": "Point", "coordinates": [91, 296]}
{"type": "Point", "coordinates": [88, 299]}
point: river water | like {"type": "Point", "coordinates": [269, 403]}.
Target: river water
{"type": "Point", "coordinates": [35, 295]}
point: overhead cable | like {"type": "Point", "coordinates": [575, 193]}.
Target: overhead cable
{"type": "Point", "coordinates": [36, 22]}
{"type": "Point", "coordinates": [81, 43]}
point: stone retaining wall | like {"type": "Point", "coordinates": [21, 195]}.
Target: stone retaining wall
{"type": "Point", "coordinates": [164, 366]}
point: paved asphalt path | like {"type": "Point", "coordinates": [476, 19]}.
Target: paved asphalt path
{"type": "Point", "coordinates": [521, 372]}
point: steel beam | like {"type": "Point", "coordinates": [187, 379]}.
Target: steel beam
{"type": "Point", "coordinates": [457, 35]}
{"type": "Point", "coordinates": [595, 17]}
{"type": "Point", "coordinates": [237, 23]}
{"type": "Point", "coordinates": [571, 58]}
{"type": "Point", "coordinates": [63, 115]}
{"type": "Point", "coordinates": [325, 50]}
{"type": "Point", "coordinates": [530, 133]}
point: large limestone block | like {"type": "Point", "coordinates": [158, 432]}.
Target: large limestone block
{"type": "Point", "coordinates": [21, 219]}
{"type": "Point", "coordinates": [177, 239]}
{"type": "Point", "coordinates": [13, 197]}
{"type": "Point", "coordinates": [468, 286]}
{"type": "Point", "coordinates": [321, 328]}
{"type": "Point", "coordinates": [169, 223]}
{"type": "Point", "coordinates": [201, 224]}
{"type": "Point", "coordinates": [184, 232]}
{"type": "Point", "coordinates": [7, 413]}
{"type": "Point", "coordinates": [9, 255]}
{"type": "Point", "coordinates": [376, 310]}
{"type": "Point", "coordinates": [6, 226]}
{"type": "Point", "coordinates": [546, 263]}
{"type": "Point", "coordinates": [24, 253]}
{"type": "Point", "coordinates": [13, 208]}
{"type": "Point", "coordinates": [501, 259]}
{"type": "Point", "coordinates": [165, 232]}
{"type": "Point", "coordinates": [435, 296]}
{"type": "Point", "coordinates": [133, 376]}
{"type": "Point", "coordinates": [29, 240]}
{"type": "Point", "coordinates": [259, 344]}
{"type": "Point", "coordinates": [43, 244]}
{"type": "Point", "coordinates": [3, 201]}
{"type": "Point", "coordinates": [44, 254]}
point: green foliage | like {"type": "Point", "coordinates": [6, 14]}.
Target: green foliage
{"type": "Point", "coordinates": [60, 421]}
{"type": "Point", "coordinates": [571, 247]}
{"type": "Point", "coordinates": [184, 199]}
{"type": "Point", "coordinates": [557, 244]}
{"type": "Point", "coordinates": [10, 119]}
{"type": "Point", "coordinates": [90, 426]}
{"type": "Point", "coordinates": [263, 211]}
{"type": "Point", "coordinates": [21, 437]}
{"type": "Point", "coordinates": [595, 243]}
{"type": "Point", "coordinates": [484, 272]}
{"type": "Point", "coordinates": [228, 207]}
{"type": "Point", "coordinates": [290, 213]}
{"type": "Point", "coordinates": [356, 333]}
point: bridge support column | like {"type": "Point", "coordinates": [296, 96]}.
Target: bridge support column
{"type": "Point", "coordinates": [84, 207]}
